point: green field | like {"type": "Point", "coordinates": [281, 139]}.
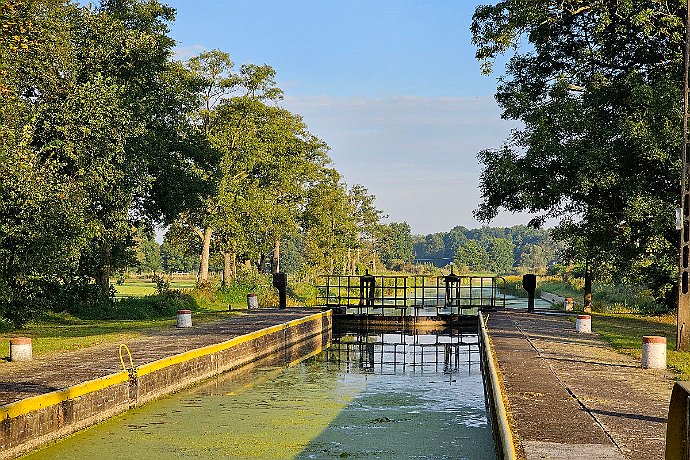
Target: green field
{"type": "Point", "coordinates": [141, 288]}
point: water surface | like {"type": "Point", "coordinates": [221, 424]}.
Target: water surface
{"type": "Point", "coordinates": [384, 396]}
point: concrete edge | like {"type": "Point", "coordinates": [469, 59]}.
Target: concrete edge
{"type": "Point", "coordinates": [210, 349]}
{"type": "Point", "coordinates": [34, 403]}
{"type": "Point", "coordinates": [53, 406]}
{"type": "Point", "coordinates": [504, 434]}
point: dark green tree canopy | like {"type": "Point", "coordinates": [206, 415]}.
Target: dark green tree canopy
{"type": "Point", "coordinates": [597, 86]}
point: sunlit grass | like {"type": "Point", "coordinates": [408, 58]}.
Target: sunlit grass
{"type": "Point", "coordinates": [624, 332]}
{"type": "Point", "coordinates": [143, 288]}
{"type": "Point", "coordinates": [62, 332]}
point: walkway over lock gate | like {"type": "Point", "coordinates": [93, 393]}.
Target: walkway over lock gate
{"type": "Point", "coordinates": [414, 295]}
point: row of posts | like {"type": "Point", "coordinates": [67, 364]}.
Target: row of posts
{"type": "Point", "coordinates": [653, 347]}
{"type": "Point", "coordinates": [21, 347]}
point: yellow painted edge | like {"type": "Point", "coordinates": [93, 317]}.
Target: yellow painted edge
{"type": "Point", "coordinates": [235, 341]}
{"type": "Point", "coordinates": [35, 403]}
{"type": "Point", "coordinates": [505, 433]}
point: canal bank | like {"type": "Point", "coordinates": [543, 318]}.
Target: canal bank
{"type": "Point", "coordinates": [570, 396]}
{"type": "Point", "coordinates": [56, 395]}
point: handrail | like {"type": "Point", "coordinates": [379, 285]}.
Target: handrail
{"type": "Point", "coordinates": [402, 291]}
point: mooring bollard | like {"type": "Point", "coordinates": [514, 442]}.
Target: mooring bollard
{"type": "Point", "coordinates": [529, 284]}
{"type": "Point", "coordinates": [583, 324]}
{"type": "Point", "coordinates": [252, 301]}
{"type": "Point", "coordinates": [184, 318]}
{"type": "Point", "coordinates": [568, 304]}
{"type": "Point", "coordinates": [653, 352]}
{"type": "Point", "coordinates": [20, 349]}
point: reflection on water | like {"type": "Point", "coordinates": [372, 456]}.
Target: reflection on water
{"type": "Point", "coordinates": [387, 395]}
{"type": "Point", "coordinates": [422, 397]}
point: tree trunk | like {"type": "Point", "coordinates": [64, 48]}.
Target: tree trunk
{"type": "Point", "coordinates": [588, 290]}
{"type": "Point", "coordinates": [205, 255]}
{"type": "Point", "coordinates": [233, 258]}
{"type": "Point", "coordinates": [226, 269]}
{"type": "Point", "coordinates": [104, 278]}
{"type": "Point", "coordinates": [275, 263]}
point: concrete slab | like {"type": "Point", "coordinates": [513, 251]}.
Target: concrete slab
{"type": "Point", "coordinates": [537, 450]}
{"type": "Point", "coordinates": [572, 389]}
{"type": "Point", "coordinates": [46, 373]}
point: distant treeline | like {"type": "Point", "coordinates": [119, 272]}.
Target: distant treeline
{"type": "Point", "coordinates": [488, 249]}
{"type": "Point", "coordinates": [500, 250]}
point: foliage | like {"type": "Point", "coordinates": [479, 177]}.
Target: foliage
{"type": "Point", "coordinates": [395, 243]}
{"type": "Point", "coordinates": [102, 135]}
{"type": "Point", "coordinates": [77, 128]}
{"type": "Point", "coordinates": [489, 249]}
{"type": "Point", "coordinates": [339, 224]}
{"type": "Point", "coordinates": [472, 256]}
{"type": "Point", "coordinates": [606, 297]}
{"type": "Point", "coordinates": [598, 91]}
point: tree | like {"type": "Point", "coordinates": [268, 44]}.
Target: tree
{"type": "Point", "coordinates": [91, 108]}
{"type": "Point", "coordinates": [500, 253]}
{"type": "Point", "coordinates": [473, 256]}
{"type": "Point", "coordinates": [453, 240]}
{"type": "Point", "coordinates": [396, 243]}
{"type": "Point", "coordinates": [266, 171]}
{"type": "Point", "coordinates": [329, 224]}
{"type": "Point", "coordinates": [148, 251]}
{"type": "Point", "coordinates": [598, 92]}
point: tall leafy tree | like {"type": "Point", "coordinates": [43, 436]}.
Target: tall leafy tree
{"type": "Point", "coordinates": [395, 243]}
{"type": "Point", "coordinates": [329, 224]}
{"type": "Point", "coordinates": [266, 172]}
{"type": "Point", "coordinates": [472, 256]}
{"type": "Point", "coordinates": [597, 87]}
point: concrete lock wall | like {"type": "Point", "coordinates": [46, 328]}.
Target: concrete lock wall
{"type": "Point", "coordinates": [33, 422]}
{"type": "Point", "coordinates": [503, 435]}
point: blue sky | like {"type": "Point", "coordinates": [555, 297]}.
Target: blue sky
{"type": "Point", "coordinates": [391, 86]}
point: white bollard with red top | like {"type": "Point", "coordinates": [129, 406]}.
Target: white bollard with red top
{"type": "Point", "coordinates": [583, 324]}
{"type": "Point", "coordinates": [20, 349]}
{"type": "Point", "coordinates": [653, 352]}
{"type": "Point", "coordinates": [184, 318]}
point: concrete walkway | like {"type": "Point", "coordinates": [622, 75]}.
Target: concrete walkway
{"type": "Point", "coordinates": [19, 380]}
{"type": "Point", "coordinates": [570, 396]}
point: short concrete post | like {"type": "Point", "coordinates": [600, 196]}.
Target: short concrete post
{"type": "Point", "coordinates": [583, 324]}
{"type": "Point", "coordinates": [184, 318]}
{"type": "Point", "coordinates": [252, 301]}
{"type": "Point", "coordinates": [653, 352]}
{"type": "Point", "coordinates": [568, 304]}
{"type": "Point", "coordinates": [20, 349]}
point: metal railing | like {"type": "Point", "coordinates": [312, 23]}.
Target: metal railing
{"type": "Point", "coordinates": [380, 352]}
{"type": "Point", "coordinates": [410, 295]}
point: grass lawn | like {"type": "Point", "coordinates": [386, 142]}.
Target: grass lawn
{"type": "Point", "coordinates": [624, 332]}
{"type": "Point", "coordinates": [62, 332]}
{"type": "Point", "coordinates": [143, 288]}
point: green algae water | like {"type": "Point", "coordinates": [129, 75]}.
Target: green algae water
{"type": "Point", "coordinates": [379, 396]}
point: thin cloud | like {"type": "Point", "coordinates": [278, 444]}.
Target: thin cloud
{"type": "Point", "coordinates": [182, 53]}
{"type": "Point", "coordinates": [416, 154]}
